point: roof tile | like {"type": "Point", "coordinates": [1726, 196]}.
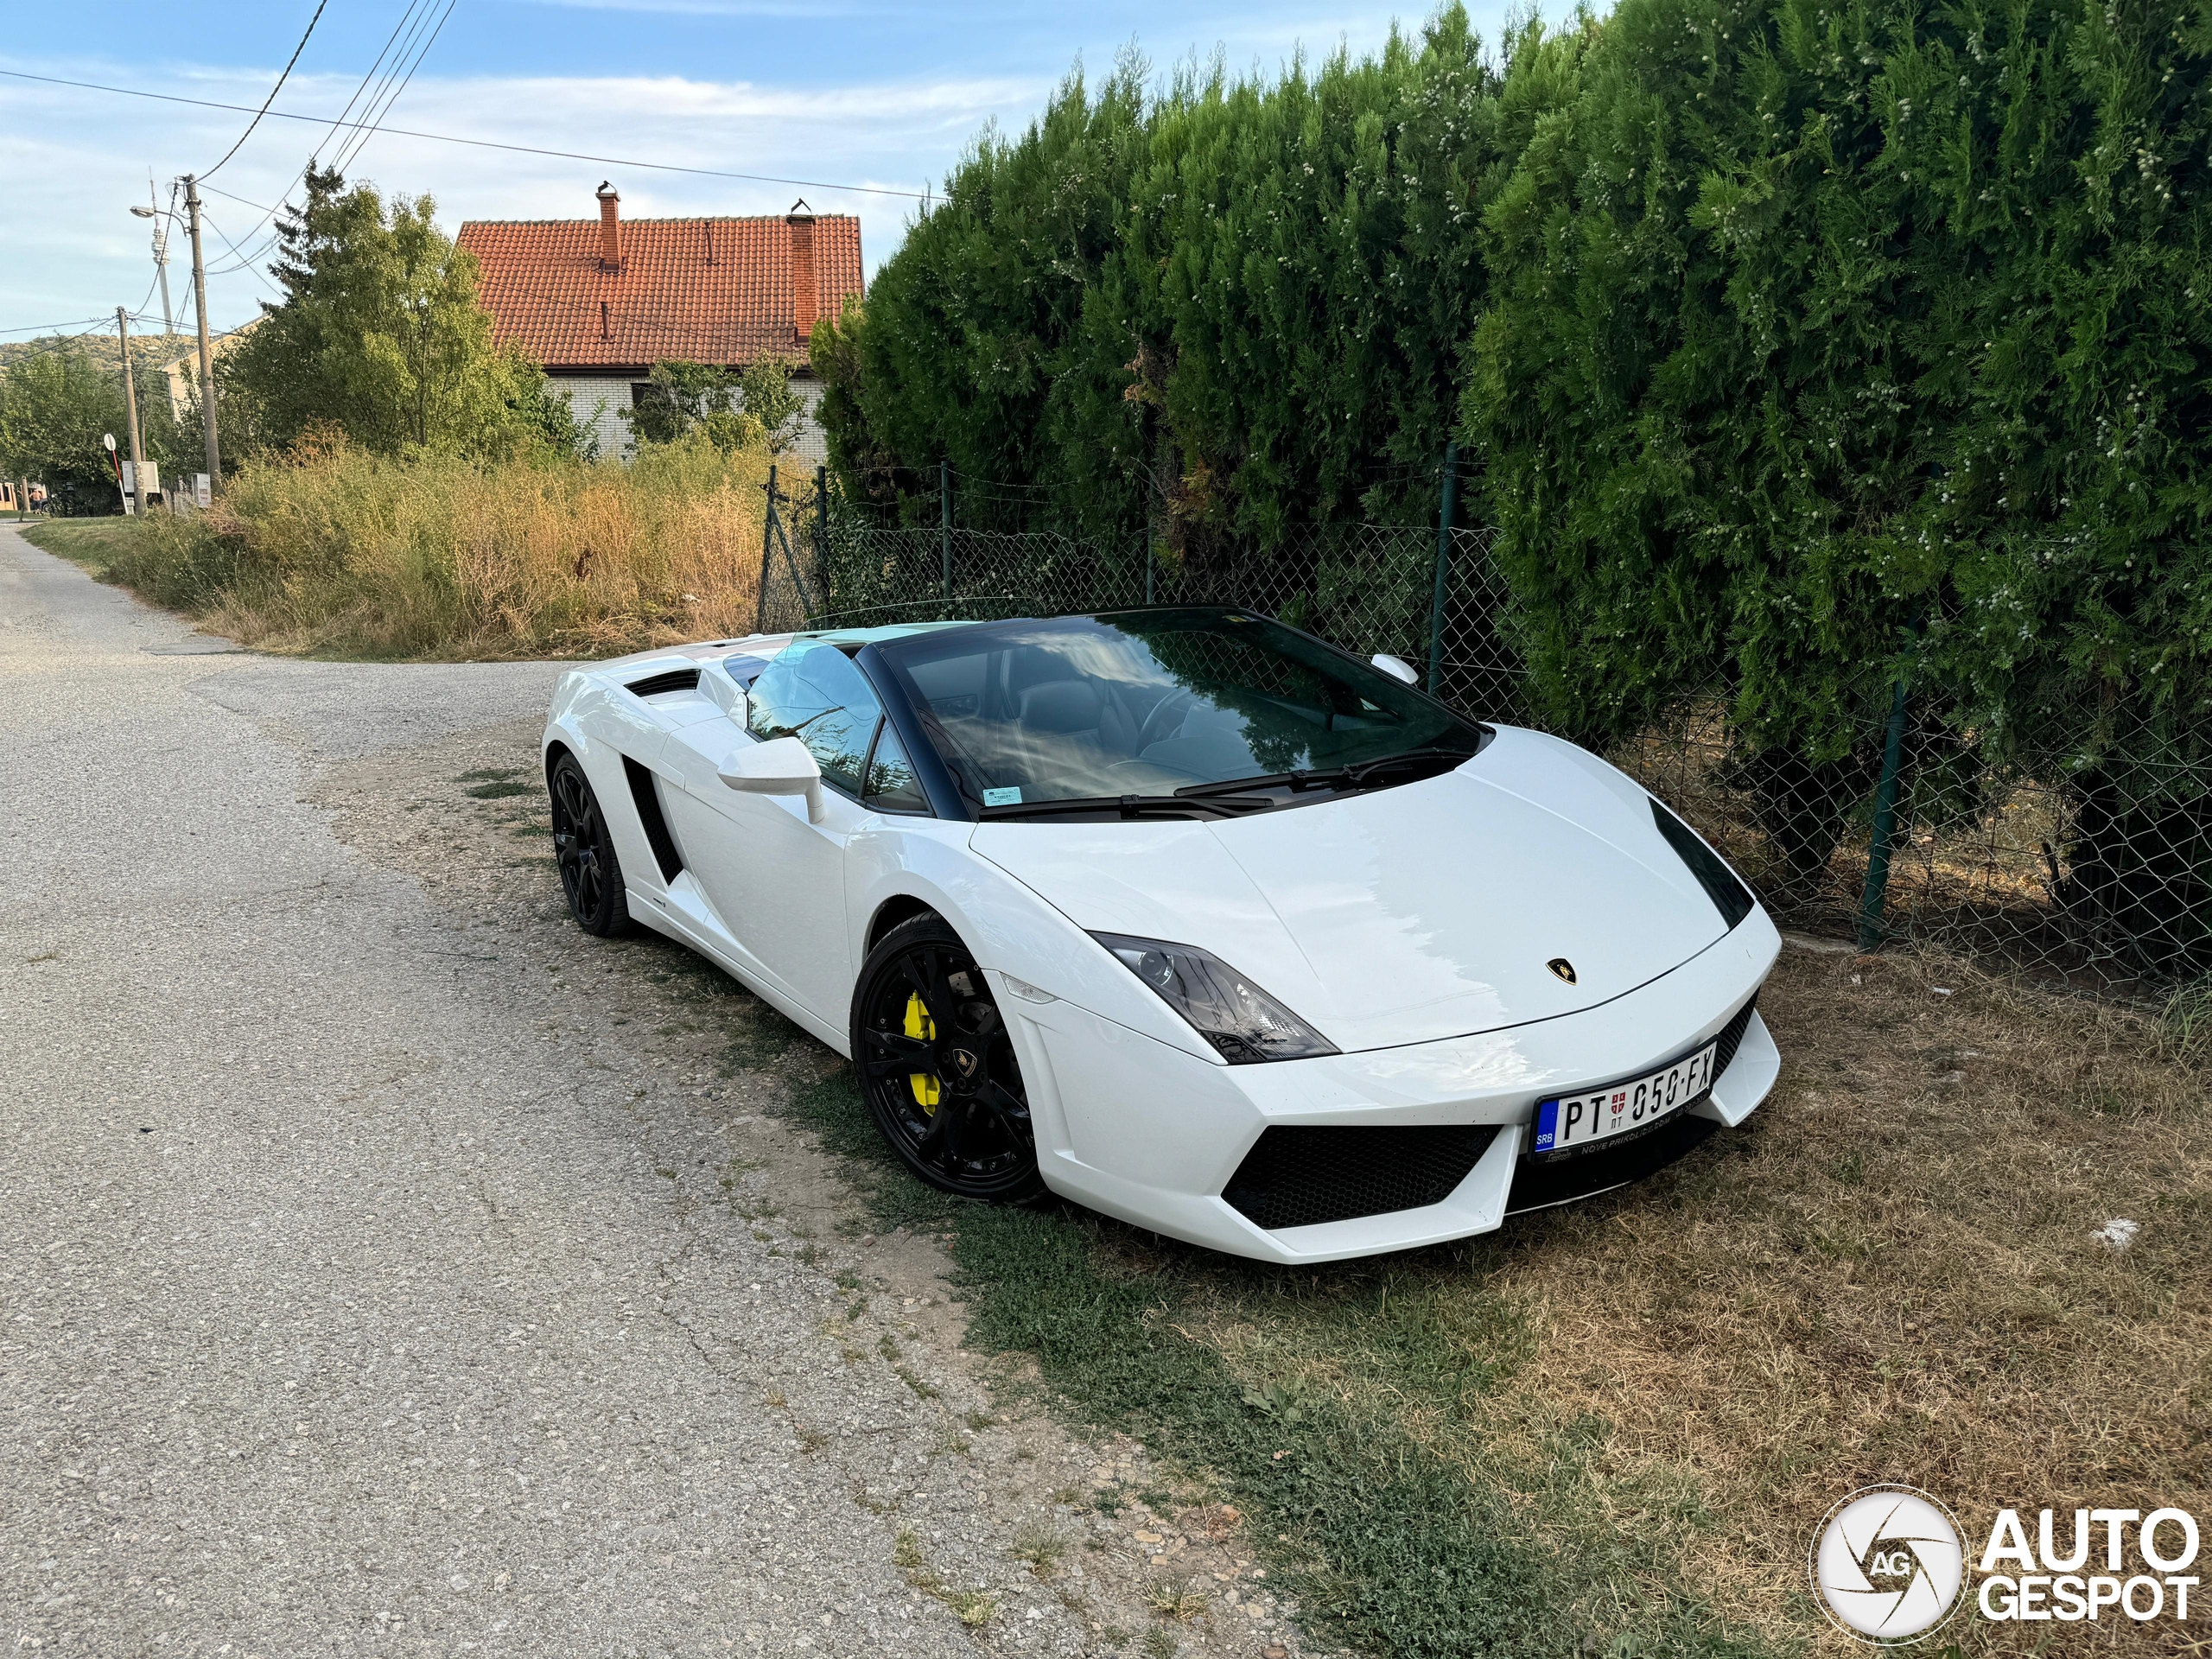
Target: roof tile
{"type": "Point", "coordinates": [541, 280]}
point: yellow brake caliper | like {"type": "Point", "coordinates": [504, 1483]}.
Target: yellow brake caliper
{"type": "Point", "coordinates": [918, 1024]}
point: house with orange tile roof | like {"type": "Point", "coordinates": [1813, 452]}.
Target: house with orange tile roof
{"type": "Point", "coordinates": [600, 302]}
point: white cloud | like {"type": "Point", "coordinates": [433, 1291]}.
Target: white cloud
{"type": "Point", "coordinates": [80, 160]}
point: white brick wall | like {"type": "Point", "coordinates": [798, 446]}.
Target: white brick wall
{"type": "Point", "coordinates": [597, 400]}
{"type": "Point", "coordinates": [812, 446]}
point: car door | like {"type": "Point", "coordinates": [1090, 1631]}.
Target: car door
{"type": "Point", "coordinates": [776, 880]}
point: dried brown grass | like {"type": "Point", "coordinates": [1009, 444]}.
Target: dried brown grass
{"type": "Point", "coordinates": [336, 551]}
{"type": "Point", "coordinates": [1895, 1276]}
{"type": "Point", "coordinates": [1889, 1274]}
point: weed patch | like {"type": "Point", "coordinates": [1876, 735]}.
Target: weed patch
{"type": "Point", "coordinates": [336, 552]}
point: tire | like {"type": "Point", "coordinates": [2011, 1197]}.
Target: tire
{"type": "Point", "coordinates": [591, 875]}
{"type": "Point", "coordinates": [945, 1092]}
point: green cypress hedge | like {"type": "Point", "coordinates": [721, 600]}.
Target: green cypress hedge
{"type": "Point", "coordinates": [1795, 342]}
{"type": "Point", "coordinates": [1819, 325]}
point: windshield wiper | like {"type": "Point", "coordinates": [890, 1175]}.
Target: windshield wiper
{"type": "Point", "coordinates": [1354, 776]}
{"type": "Point", "coordinates": [1133, 806]}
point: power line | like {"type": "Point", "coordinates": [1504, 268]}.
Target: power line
{"type": "Point", "coordinates": [481, 144]}
{"type": "Point", "coordinates": [368, 75]}
{"type": "Point", "coordinates": [49, 327]}
{"type": "Point", "coordinates": [284, 199]}
{"type": "Point", "coordinates": [352, 152]}
{"type": "Point", "coordinates": [241, 200]}
{"type": "Point", "coordinates": [273, 91]}
{"type": "Point", "coordinates": [241, 262]}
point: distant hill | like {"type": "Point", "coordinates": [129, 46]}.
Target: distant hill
{"type": "Point", "coordinates": [100, 346]}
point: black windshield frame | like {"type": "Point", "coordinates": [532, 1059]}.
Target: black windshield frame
{"type": "Point", "coordinates": [927, 747]}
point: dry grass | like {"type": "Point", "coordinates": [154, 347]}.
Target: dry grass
{"type": "Point", "coordinates": [1890, 1274]}
{"type": "Point", "coordinates": [336, 551]}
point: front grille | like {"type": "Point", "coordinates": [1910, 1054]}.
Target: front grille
{"type": "Point", "coordinates": [1298, 1176]}
{"type": "Point", "coordinates": [1607, 1165]}
{"type": "Point", "coordinates": [1732, 1036]}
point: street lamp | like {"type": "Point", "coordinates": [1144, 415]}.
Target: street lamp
{"type": "Point", "coordinates": [161, 263]}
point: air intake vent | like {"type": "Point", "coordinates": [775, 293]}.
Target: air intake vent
{"type": "Point", "coordinates": [1731, 1037]}
{"type": "Point", "coordinates": [1297, 1177]}
{"type": "Point", "coordinates": [644, 792]}
{"type": "Point", "coordinates": [677, 679]}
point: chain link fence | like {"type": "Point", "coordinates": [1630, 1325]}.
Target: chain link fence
{"type": "Point", "coordinates": [2091, 878]}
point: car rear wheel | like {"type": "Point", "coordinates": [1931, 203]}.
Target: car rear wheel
{"type": "Point", "coordinates": [591, 876]}
{"type": "Point", "coordinates": [938, 1070]}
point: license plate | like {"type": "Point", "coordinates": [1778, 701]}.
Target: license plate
{"type": "Point", "coordinates": [1573, 1122]}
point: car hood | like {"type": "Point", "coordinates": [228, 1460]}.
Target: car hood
{"type": "Point", "coordinates": [1403, 915]}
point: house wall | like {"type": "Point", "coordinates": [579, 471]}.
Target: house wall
{"type": "Point", "coordinates": [587, 393]}
{"type": "Point", "coordinates": [596, 399]}
{"type": "Point", "coordinates": [812, 445]}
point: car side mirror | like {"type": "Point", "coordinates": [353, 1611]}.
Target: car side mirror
{"type": "Point", "coordinates": [780, 766]}
{"type": "Point", "coordinates": [1396, 667]}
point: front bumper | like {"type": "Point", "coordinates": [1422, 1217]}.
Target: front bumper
{"type": "Point", "coordinates": [1153, 1135]}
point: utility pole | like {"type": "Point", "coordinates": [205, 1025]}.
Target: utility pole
{"type": "Point", "coordinates": [131, 407]}
{"type": "Point", "coordinates": [206, 362]}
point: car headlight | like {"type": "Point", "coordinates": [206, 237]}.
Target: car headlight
{"type": "Point", "coordinates": [1244, 1024]}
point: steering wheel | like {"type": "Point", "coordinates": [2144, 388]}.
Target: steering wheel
{"type": "Point", "coordinates": [1156, 724]}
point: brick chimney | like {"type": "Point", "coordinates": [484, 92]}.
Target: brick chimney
{"type": "Point", "coordinates": [610, 227]}
{"type": "Point", "coordinates": [800, 221]}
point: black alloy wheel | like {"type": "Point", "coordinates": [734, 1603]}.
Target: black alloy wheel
{"type": "Point", "coordinates": [591, 875]}
{"type": "Point", "coordinates": [937, 1069]}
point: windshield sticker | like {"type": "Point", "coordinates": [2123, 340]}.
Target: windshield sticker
{"type": "Point", "coordinates": [1002, 797]}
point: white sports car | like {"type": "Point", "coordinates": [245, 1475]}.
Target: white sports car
{"type": "Point", "coordinates": [1181, 914]}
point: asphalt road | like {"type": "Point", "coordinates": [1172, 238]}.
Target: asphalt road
{"type": "Point", "coordinates": [369, 1282]}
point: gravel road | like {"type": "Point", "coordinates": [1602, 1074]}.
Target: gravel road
{"type": "Point", "coordinates": [387, 1268]}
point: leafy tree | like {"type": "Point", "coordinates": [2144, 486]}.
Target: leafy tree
{"type": "Point", "coordinates": [55, 406]}
{"type": "Point", "coordinates": [764, 393]}
{"type": "Point", "coordinates": [61, 394]}
{"type": "Point", "coordinates": [734, 411]}
{"type": "Point", "coordinates": [379, 334]}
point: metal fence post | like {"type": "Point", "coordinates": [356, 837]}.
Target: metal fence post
{"type": "Point", "coordinates": [822, 529]}
{"type": "Point", "coordinates": [767, 541]}
{"type": "Point", "coordinates": [1885, 823]}
{"type": "Point", "coordinates": [945, 520]}
{"type": "Point", "coordinates": [1443, 567]}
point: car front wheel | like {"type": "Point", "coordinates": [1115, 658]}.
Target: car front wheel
{"type": "Point", "coordinates": [937, 1068]}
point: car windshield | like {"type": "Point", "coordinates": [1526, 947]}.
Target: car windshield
{"type": "Point", "coordinates": [1148, 704]}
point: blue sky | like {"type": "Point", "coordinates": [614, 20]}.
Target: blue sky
{"type": "Point", "coordinates": [855, 92]}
